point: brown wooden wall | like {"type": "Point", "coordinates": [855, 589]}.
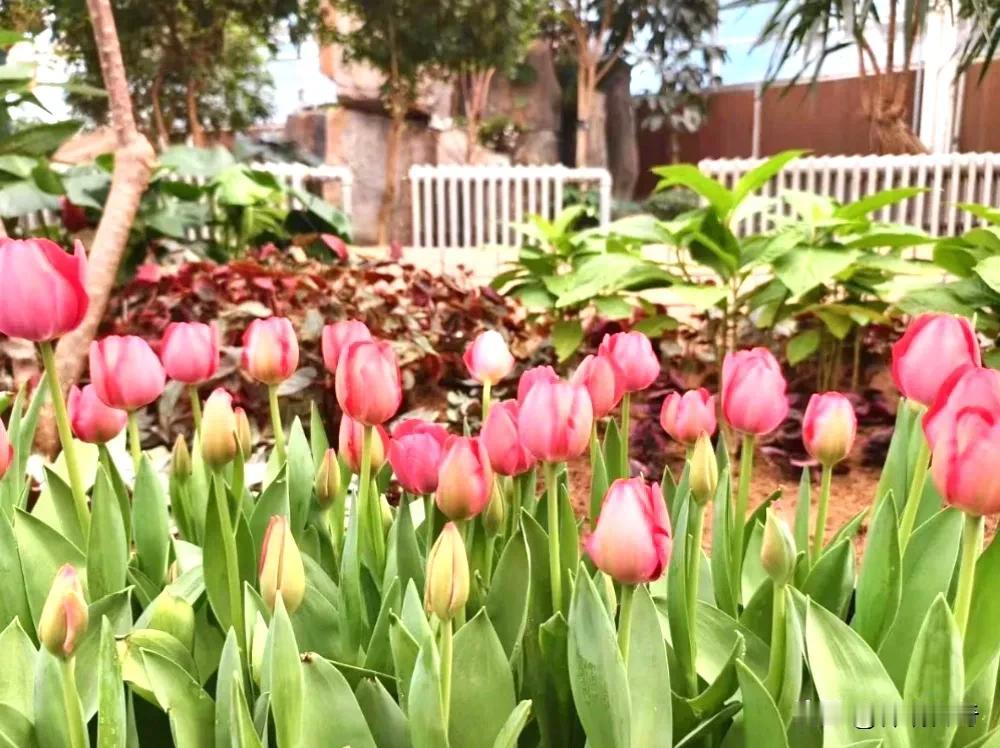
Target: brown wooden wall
{"type": "Point", "coordinates": [980, 130]}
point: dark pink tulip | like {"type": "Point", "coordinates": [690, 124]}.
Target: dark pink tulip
{"type": "Point", "coordinates": [829, 427]}
{"type": "Point", "coordinates": [631, 354]}
{"type": "Point", "coordinates": [508, 455]}
{"type": "Point", "coordinates": [753, 392]}
{"type": "Point", "coordinates": [368, 383]}
{"type": "Point", "coordinates": [964, 461]}
{"type": "Point", "coordinates": [270, 350]}
{"type": "Point", "coordinates": [190, 351]}
{"type": "Point", "coordinates": [488, 358]}
{"type": "Point", "coordinates": [555, 420]}
{"type": "Point", "coordinates": [415, 454]}
{"type": "Point", "coordinates": [533, 376]}
{"type": "Point", "coordinates": [597, 375]}
{"type": "Point", "coordinates": [933, 347]}
{"type": "Point", "coordinates": [125, 372]}
{"type": "Point", "coordinates": [6, 451]}
{"type": "Point", "coordinates": [968, 386]}
{"type": "Point", "coordinates": [339, 335]}
{"type": "Point", "coordinates": [465, 479]}
{"type": "Point", "coordinates": [631, 542]}
{"type": "Point", "coordinates": [688, 416]}
{"type": "Point", "coordinates": [43, 293]}
{"type": "Point", "coordinates": [350, 442]}
{"type": "Point", "coordinates": [91, 419]}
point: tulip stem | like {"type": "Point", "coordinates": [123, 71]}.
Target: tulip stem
{"type": "Point", "coordinates": [446, 660]}
{"type": "Point", "coordinates": [972, 545]}
{"type": "Point", "coordinates": [195, 406]}
{"type": "Point", "coordinates": [776, 664]}
{"type": "Point", "coordinates": [552, 508]}
{"type": "Point", "coordinates": [742, 503]}
{"type": "Point", "coordinates": [626, 413]}
{"type": "Point", "coordinates": [916, 492]}
{"type": "Point", "coordinates": [693, 573]}
{"type": "Point", "coordinates": [429, 521]}
{"type": "Point", "coordinates": [368, 505]}
{"type": "Point", "coordinates": [515, 515]}
{"type": "Point", "coordinates": [230, 555]}
{"type": "Point", "coordinates": [819, 531]}
{"type": "Point", "coordinates": [75, 726]}
{"type": "Point", "coordinates": [66, 436]}
{"type": "Point", "coordinates": [135, 448]}
{"type": "Point", "coordinates": [625, 620]}
{"type": "Point", "coordinates": [279, 431]}
{"type": "Point", "coordinates": [487, 389]}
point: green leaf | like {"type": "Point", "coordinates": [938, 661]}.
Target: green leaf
{"type": "Point", "coordinates": [566, 337]}
{"type": "Point", "coordinates": [989, 271]}
{"type": "Point", "coordinates": [802, 506]}
{"type": "Point", "coordinates": [318, 441]}
{"type": "Point", "coordinates": [831, 580]}
{"type": "Point", "coordinates": [510, 593]}
{"type": "Point", "coordinates": [220, 563]}
{"type": "Point", "coordinates": [935, 678]}
{"type": "Point", "coordinates": [283, 678]}
{"type": "Point", "coordinates": [330, 712]}
{"type": "Point", "coordinates": [107, 548]}
{"type": "Point", "coordinates": [720, 559]}
{"type": "Point", "coordinates": [43, 551]}
{"type": "Point", "coordinates": [117, 608]}
{"type": "Point", "coordinates": [682, 633]}
{"type": "Point", "coordinates": [511, 730]}
{"type": "Point", "coordinates": [762, 721]}
{"type": "Point", "coordinates": [597, 673]}
{"type": "Point", "coordinates": [386, 720]}
{"type": "Point", "coordinates": [760, 175]}
{"type": "Point", "coordinates": [805, 269]}
{"type": "Point", "coordinates": [111, 719]}
{"type": "Point", "coordinates": [188, 161]}
{"type": "Point", "coordinates": [16, 730]}
{"type": "Point", "coordinates": [690, 176]}
{"type": "Point", "coordinates": [789, 695]}
{"type": "Point", "coordinates": [58, 715]}
{"type": "Point", "coordinates": [879, 581]}
{"type": "Point", "coordinates": [802, 346]}
{"type": "Point", "coordinates": [17, 674]}
{"type": "Point", "coordinates": [483, 695]}
{"type": "Point", "coordinates": [427, 727]}
{"type": "Point", "coordinates": [301, 474]}
{"type": "Point", "coordinates": [191, 710]}
{"type": "Point", "coordinates": [150, 522]}
{"type": "Point", "coordinates": [244, 733]}
{"type": "Point", "coordinates": [67, 521]}
{"type": "Point", "coordinates": [871, 203]}
{"type": "Point", "coordinates": [982, 635]}
{"type": "Point", "coordinates": [648, 674]}
{"type": "Point", "coordinates": [39, 140]}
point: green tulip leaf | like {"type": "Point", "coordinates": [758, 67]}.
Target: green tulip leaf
{"type": "Point", "coordinates": [879, 581]}
{"type": "Point", "coordinates": [150, 523]}
{"type": "Point", "coordinates": [762, 722]}
{"type": "Point", "coordinates": [510, 594]}
{"type": "Point", "coordinates": [107, 546]}
{"type": "Point", "coordinates": [331, 716]}
{"type": "Point", "coordinates": [385, 719]}
{"type": "Point", "coordinates": [190, 709]}
{"type": "Point", "coordinates": [425, 709]}
{"type": "Point", "coordinates": [112, 728]}
{"type": "Point", "coordinates": [648, 673]}
{"type": "Point", "coordinates": [282, 678]}
{"type": "Point", "coordinates": [511, 730]}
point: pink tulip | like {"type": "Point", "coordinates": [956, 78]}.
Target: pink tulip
{"type": "Point", "coordinates": [968, 386]}
{"type": "Point", "coordinates": [964, 463]}
{"type": "Point", "coordinates": [270, 350]}
{"type": "Point", "coordinates": [6, 451]}
{"type": "Point", "coordinates": [508, 455]}
{"type": "Point", "coordinates": [125, 372]}
{"type": "Point", "coordinates": [631, 541]}
{"type": "Point", "coordinates": [597, 375]}
{"type": "Point", "coordinates": [338, 336]}
{"type": "Point", "coordinates": [91, 419]}
{"type": "Point", "coordinates": [368, 383]}
{"type": "Point", "coordinates": [829, 427]}
{"type": "Point", "coordinates": [351, 438]}
{"type": "Point", "coordinates": [632, 356]}
{"type": "Point", "coordinates": [415, 454]}
{"type": "Point", "coordinates": [753, 391]}
{"type": "Point", "coordinates": [688, 416]}
{"type": "Point", "coordinates": [554, 421]}
{"type": "Point", "coordinates": [533, 376]}
{"type": "Point", "coordinates": [43, 292]}
{"type": "Point", "coordinates": [190, 351]}
{"type": "Point", "coordinates": [488, 359]}
{"type": "Point", "coordinates": [465, 479]}
{"type": "Point", "coordinates": [933, 347]}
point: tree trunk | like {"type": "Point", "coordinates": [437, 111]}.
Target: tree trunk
{"type": "Point", "coordinates": [159, 123]}
{"type": "Point", "coordinates": [584, 94]}
{"type": "Point", "coordinates": [388, 206]}
{"type": "Point", "coordinates": [195, 130]}
{"type": "Point", "coordinates": [134, 160]}
{"type": "Point", "coordinates": [477, 90]}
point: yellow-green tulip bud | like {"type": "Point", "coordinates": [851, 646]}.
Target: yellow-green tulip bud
{"type": "Point", "coordinates": [64, 616]}
{"type": "Point", "coordinates": [175, 616]}
{"type": "Point", "coordinates": [327, 483]}
{"type": "Point", "coordinates": [496, 510]}
{"type": "Point", "coordinates": [447, 586]}
{"type": "Point", "coordinates": [281, 569]}
{"type": "Point", "coordinates": [258, 640]}
{"type": "Point", "coordinates": [218, 430]}
{"type": "Point", "coordinates": [243, 436]}
{"type": "Point", "coordinates": [180, 461]}
{"type": "Point", "coordinates": [777, 550]}
{"type": "Point", "coordinates": [704, 473]}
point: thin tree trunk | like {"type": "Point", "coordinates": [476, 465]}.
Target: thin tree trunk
{"type": "Point", "coordinates": [134, 160]}
{"type": "Point", "coordinates": [159, 123]}
{"type": "Point", "coordinates": [195, 130]}
{"type": "Point", "coordinates": [388, 206]}
{"type": "Point", "coordinates": [477, 91]}
{"type": "Point", "coordinates": [584, 94]}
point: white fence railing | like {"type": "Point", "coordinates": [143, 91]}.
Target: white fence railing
{"type": "Point", "coordinates": [948, 179]}
{"type": "Point", "coordinates": [476, 206]}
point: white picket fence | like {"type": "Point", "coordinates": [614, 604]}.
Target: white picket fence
{"type": "Point", "coordinates": [948, 179]}
{"type": "Point", "coordinates": [475, 206]}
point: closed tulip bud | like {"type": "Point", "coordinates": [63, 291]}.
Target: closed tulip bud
{"type": "Point", "coordinates": [829, 427]}
{"type": "Point", "coordinates": [447, 587]}
{"type": "Point", "coordinates": [65, 615]}
{"type": "Point", "coordinates": [270, 350]}
{"type": "Point", "coordinates": [488, 359]}
{"type": "Point", "coordinates": [533, 376]}
{"type": "Point", "coordinates": [704, 474]}
{"type": "Point", "coordinates": [968, 387]}
{"type": "Point", "coordinates": [386, 511]}
{"type": "Point", "coordinates": [6, 451]}
{"type": "Point", "coordinates": [606, 589]}
{"type": "Point", "coordinates": [125, 372]}
{"type": "Point", "coordinates": [327, 482]}
{"type": "Point", "coordinates": [180, 459]}
{"type": "Point", "coordinates": [43, 292]}
{"type": "Point", "coordinates": [244, 438]}
{"type": "Point", "coordinates": [338, 336]}
{"type": "Point", "coordinates": [496, 510]}
{"type": "Point", "coordinates": [349, 445]}
{"type": "Point", "coordinates": [964, 462]}
{"type": "Point", "coordinates": [777, 549]}
{"type": "Point", "coordinates": [597, 375]}
{"type": "Point", "coordinates": [753, 391]}
{"type": "Point", "coordinates": [190, 351]}
{"type": "Point", "coordinates": [688, 416]}
{"type": "Point", "coordinates": [258, 642]}
{"type": "Point", "coordinates": [631, 541]}
{"type": "Point", "coordinates": [465, 479]}
{"type": "Point", "coordinates": [175, 616]}
{"type": "Point", "coordinates": [281, 570]}
{"type": "Point", "coordinates": [415, 454]}
{"type": "Point", "coordinates": [555, 420]}
{"type": "Point", "coordinates": [508, 456]}
{"type": "Point", "coordinates": [93, 421]}
{"type": "Point", "coordinates": [631, 354]}
{"type": "Point", "coordinates": [933, 347]}
{"type": "Point", "coordinates": [369, 388]}
{"type": "Point", "coordinates": [218, 430]}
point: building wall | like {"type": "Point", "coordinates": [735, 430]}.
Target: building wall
{"type": "Point", "coordinates": [980, 130]}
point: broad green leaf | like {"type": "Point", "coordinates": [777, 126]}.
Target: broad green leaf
{"type": "Point", "coordinates": [66, 520]}
{"type": "Point", "coordinates": [425, 709]}
{"type": "Point", "coordinates": [803, 345]}
{"type": "Point", "coordinates": [43, 551]}
{"type": "Point", "coordinates": [762, 722]}
{"type": "Point", "coordinates": [682, 633]}
{"type": "Point", "coordinates": [511, 731]}
{"type": "Point", "coordinates": [934, 678]}
{"type": "Point", "coordinates": [510, 594]}
{"type": "Point", "coordinates": [385, 719]}
{"type": "Point", "coordinates": [117, 609]}
{"type": "Point", "coordinates": [831, 581]}
{"type": "Point", "coordinates": [805, 269]}
{"type": "Point", "coordinates": [648, 674]}
{"type": "Point", "coordinates": [879, 581]}
{"type": "Point", "coordinates": [482, 696]}
{"type": "Point", "coordinates": [330, 712]}
{"type": "Point", "coordinates": [39, 140]}
{"type": "Point", "coordinates": [982, 635]}
{"type": "Point", "coordinates": [191, 710]}
{"type": "Point", "coordinates": [221, 564]}
{"type": "Point", "coordinates": [228, 680]}
{"type": "Point", "coordinates": [59, 718]}
{"type": "Point", "coordinates": [722, 543]}
{"type": "Point", "coordinates": [690, 176]}
{"type": "Point", "coordinates": [111, 715]}
{"type": "Point", "coordinates": [283, 679]}
{"type": "Point", "coordinates": [301, 474]}
{"type": "Point", "coordinates": [760, 175]}
{"type": "Point", "coordinates": [597, 673]}
{"type": "Point", "coordinates": [803, 503]}
{"type": "Point", "coordinates": [871, 203]}
{"type": "Point", "coordinates": [107, 548]}
{"type": "Point", "coordinates": [150, 523]}
{"type": "Point", "coordinates": [567, 335]}
{"type": "Point", "coordinates": [17, 674]}
{"type": "Point", "coordinates": [989, 271]}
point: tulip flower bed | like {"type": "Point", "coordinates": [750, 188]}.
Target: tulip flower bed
{"type": "Point", "coordinates": [481, 610]}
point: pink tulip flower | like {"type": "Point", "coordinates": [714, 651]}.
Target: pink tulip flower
{"type": "Point", "coordinates": [631, 354]}
{"type": "Point", "coordinates": [369, 388]}
{"type": "Point", "coordinates": [465, 479]}
{"type": "Point", "coordinates": [964, 462]}
{"type": "Point", "coordinates": [350, 442]}
{"type": "Point", "coordinates": [829, 427]}
{"type": "Point", "coordinates": [93, 421]}
{"type": "Point", "coordinates": [415, 454]}
{"type": "Point", "coordinates": [933, 347]}
{"type": "Point", "coordinates": [688, 416]}
{"type": "Point", "coordinates": [508, 456]}
{"type": "Point", "coordinates": [968, 386]}
{"type": "Point", "coordinates": [339, 335]}
{"type": "Point", "coordinates": [270, 350]}
{"type": "Point", "coordinates": [125, 372]}
{"type": "Point", "coordinates": [753, 392]}
{"type": "Point", "coordinates": [555, 420]}
{"type": "Point", "coordinates": [597, 374]}
{"type": "Point", "coordinates": [488, 358]}
{"type": "Point", "coordinates": [43, 291]}
{"type": "Point", "coordinates": [190, 351]}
